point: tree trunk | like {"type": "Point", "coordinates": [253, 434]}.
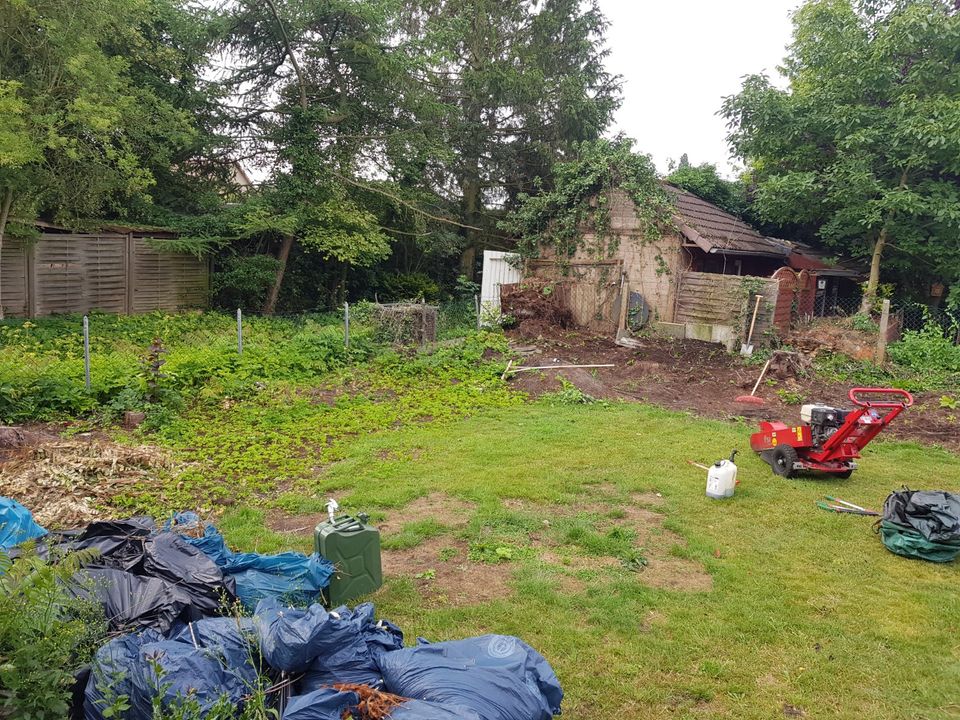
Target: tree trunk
{"type": "Point", "coordinates": [270, 306]}
{"type": "Point", "coordinates": [870, 294]}
{"type": "Point", "coordinates": [4, 215]}
{"type": "Point", "coordinates": [471, 216]}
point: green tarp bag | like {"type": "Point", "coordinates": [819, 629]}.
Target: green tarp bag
{"type": "Point", "coordinates": [922, 524]}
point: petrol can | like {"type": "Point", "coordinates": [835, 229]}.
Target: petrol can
{"type": "Point", "coordinates": [722, 478]}
{"type": "Point", "coordinates": [353, 547]}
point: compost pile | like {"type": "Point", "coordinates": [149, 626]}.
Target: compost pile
{"type": "Point", "coordinates": [175, 597]}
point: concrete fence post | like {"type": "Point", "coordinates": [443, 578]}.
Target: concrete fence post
{"type": "Point", "coordinates": [239, 331]}
{"type": "Point", "coordinates": [86, 351]}
{"type": "Point", "coordinates": [346, 325]}
{"type": "Point", "coordinates": [881, 353]}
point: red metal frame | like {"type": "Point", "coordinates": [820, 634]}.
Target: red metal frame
{"type": "Point", "coordinates": [860, 427]}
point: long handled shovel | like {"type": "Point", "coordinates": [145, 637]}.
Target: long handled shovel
{"type": "Point", "coordinates": [747, 348]}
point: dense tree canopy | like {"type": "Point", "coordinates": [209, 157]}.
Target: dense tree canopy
{"type": "Point", "coordinates": [87, 109]}
{"type": "Point", "coordinates": [705, 182]}
{"type": "Point", "coordinates": [523, 82]}
{"type": "Point", "coordinates": [864, 145]}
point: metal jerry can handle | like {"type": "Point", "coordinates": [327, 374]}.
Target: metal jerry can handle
{"type": "Point", "coordinates": [346, 523]}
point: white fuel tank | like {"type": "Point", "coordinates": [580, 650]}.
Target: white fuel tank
{"type": "Point", "coordinates": [722, 478]}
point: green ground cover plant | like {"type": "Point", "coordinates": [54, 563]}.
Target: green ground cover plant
{"type": "Point", "coordinates": [42, 371]}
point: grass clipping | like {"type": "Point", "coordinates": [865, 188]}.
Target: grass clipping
{"type": "Point", "coordinates": [70, 483]}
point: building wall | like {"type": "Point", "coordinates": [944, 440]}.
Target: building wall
{"type": "Point", "coordinates": [594, 273]}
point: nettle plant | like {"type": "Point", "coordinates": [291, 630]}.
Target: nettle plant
{"type": "Point", "coordinates": [572, 212]}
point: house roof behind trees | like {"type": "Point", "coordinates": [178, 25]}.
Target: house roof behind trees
{"type": "Point", "coordinates": [715, 231]}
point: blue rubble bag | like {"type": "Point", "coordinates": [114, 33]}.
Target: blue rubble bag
{"type": "Point", "coordinates": [498, 677]}
{"type": "Point", "coordinates": [322, 704]}
{"type": "Point", "coordinates": [340, 646]}
{"type": "Point", "coordinates": [16, 524]}
{"type": "Point", "coordinates": [208, 662]}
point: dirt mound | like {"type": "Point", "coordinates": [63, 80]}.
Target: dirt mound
{"type": "Point", "coordinates": [536, 305]}
{"type": "Point", "coordinates": [70, 483]}
{"type": "Point", "coordinates": [704, 379]}
{"type": "Point", "coordinates": [833, 335]}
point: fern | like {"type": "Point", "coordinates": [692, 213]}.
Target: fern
{"type": "Point", "coordinates": [45, 632]}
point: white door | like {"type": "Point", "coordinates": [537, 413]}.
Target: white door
{"type": "Point", "coordinates": [498, 269]}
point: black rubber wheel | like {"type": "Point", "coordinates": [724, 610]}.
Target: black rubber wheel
{"type": "Point", "coordinates": [845, 474]}
{"type": "Point", "coordinates": [784, 456]}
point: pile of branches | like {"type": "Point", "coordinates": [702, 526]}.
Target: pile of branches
{"type": "Point", "coordinates": [374, 704]}
{"type": "Point", "coordinates": [70, 483]}
{"type": "Point", "coordinates": [535, 306]}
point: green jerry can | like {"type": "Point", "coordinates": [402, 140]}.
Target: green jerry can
{"type": "Point", "coordinates": [353, 547]}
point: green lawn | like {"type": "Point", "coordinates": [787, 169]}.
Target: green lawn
{"type": "Point", "coordinates": [807, 609]}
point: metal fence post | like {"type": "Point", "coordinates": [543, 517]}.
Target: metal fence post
{"type": "Point", "coordinates": [476, 304]}
{"type": "Point", "coordinates": [346, 325]}
{"type": "Point", "coordinates": [86, 351]}
{"type": "Point", "coordinates": [239, 331]}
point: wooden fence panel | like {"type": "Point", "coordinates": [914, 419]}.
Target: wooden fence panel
{"type": "Point", "coordinates": [720, 300]}
{"type": "Point", "coordinates": [13, 277]}
{"type": "Point", "coordinates": [79, 273]}
{"type": "Point", "coordinates": [167, 281]}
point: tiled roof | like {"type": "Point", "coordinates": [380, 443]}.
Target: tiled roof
{"type": "Point", "coordinates": [716, 231]}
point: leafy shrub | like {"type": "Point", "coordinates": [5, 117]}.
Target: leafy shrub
{"type": "Point", "coordinates": [46, 634]}
{"type": "Point", "coordinates": [407, 286]}
{"type": "Point", "coordinates": [862, 322]}
{"type": "Point", "coordinates": [244, 281]}
{"type": "Point", "coordinates": [568, 394]}
{"type": "Point", "coordinates": [928, 351]}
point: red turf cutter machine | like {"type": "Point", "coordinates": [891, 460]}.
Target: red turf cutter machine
{"type": "Point", "coordinates": [832, 438]}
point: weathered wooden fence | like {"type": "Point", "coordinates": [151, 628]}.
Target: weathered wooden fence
{"type": "Point", "coordinates": [112, 272]}
{"type": "Point", "coordinates": [711, 298]}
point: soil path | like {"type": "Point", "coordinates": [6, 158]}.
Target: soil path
{"type": "Point", "coordinates": [703, 378]}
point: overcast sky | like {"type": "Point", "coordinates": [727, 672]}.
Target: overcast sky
{"type": "Point", "coordinates": [678, 60]}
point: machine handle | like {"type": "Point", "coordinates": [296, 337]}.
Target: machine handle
{"type": "Point", "coordinates": [906, 402]}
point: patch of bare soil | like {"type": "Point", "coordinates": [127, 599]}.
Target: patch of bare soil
{"type": "Point", "coordinates": [282, 522]}
{"type": "Point", "coordinates": [656, 544]}
{"type": "Point", "coordinates": [70, 483]}
{"type": "Point", "coordinates": [702, 378]}
{"type": "Point", "coordinates": [443, 574]}
{"type": "Point", "coordinates": [444, 509]}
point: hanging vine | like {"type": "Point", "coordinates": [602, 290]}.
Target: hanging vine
{"type": "Point", "coordinates": [572, 212]}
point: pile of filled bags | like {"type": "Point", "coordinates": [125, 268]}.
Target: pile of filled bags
{"type": "Point", "coordinates": [309, 652]}
{"type": "Point", "coordinates": [179, 600]}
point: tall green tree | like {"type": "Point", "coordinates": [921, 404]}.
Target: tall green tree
{"type": "Point", "coordinates": [327, 96]}
{"type": "Point", "coordinates": [525, 82]}
{"type": "Point", "coordinates": [865, 141]}
{"type": "Point", "coordinates": [79, 131]}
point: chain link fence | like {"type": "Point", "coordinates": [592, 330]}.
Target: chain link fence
{"type": "Point", "coordinates": [903, 316]}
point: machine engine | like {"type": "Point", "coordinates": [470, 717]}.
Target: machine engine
{"type": "Point", "coordinates": [823, 420]}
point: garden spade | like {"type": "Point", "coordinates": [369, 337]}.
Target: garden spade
{"type": "Point", "coordinates": [747, 348]}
